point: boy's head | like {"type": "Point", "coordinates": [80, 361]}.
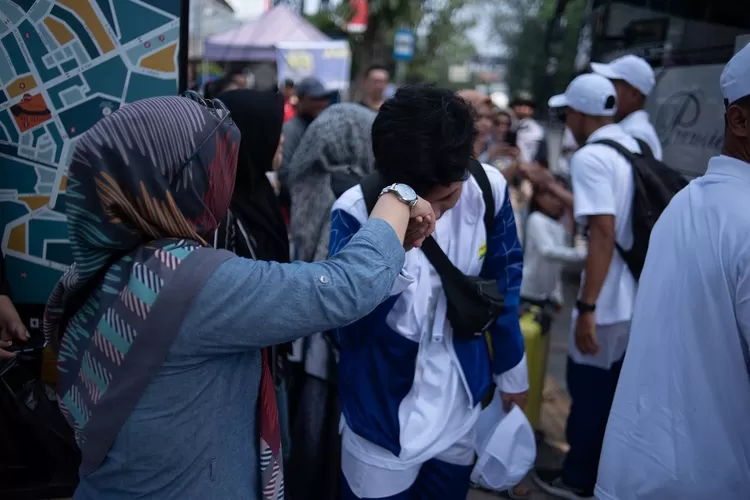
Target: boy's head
{"type": "Point", "coordinates": [547, 202]}
{"type": "Point", "coordinates": [424, 136]}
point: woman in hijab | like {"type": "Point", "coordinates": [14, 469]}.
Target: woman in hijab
{"type": "Point", "coordinates": [254, 226]}
{"type": "Point", "coordinates": [335, 154]}
{"type": "Point", "coordinates": [160, 338]}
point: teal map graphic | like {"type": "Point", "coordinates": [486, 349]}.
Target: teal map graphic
{"type": "Point", "coordinates": [63, 65]}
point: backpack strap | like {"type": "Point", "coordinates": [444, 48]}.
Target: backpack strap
{"type": "Point", "coordinates": [629, 155]}
{"type": "Point", "coordinates": [645, 148]}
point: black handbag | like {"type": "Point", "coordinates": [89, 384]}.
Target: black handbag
{"type": "Point", "coordinates": [474, 302]}
{"type": "Point", "coordinates": [39, 456]}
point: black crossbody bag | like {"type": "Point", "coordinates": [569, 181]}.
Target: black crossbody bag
{"type": "Point", "coordinates": [474, 303]}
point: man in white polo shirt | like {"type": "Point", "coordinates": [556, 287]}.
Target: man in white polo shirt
{"type": "Point", "coordinates": [634, 80]}
{"type": "Point", "coordinates": [680, 423]}
{"type": "Point", "coordinates": [602, 182]}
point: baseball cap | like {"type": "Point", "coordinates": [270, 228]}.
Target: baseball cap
{"type": "Point", "coordinates": [523, 97]}
{"type": "Point", "coordinates": [632, 69]}
{"type": "Point", "coordinates": [312, 87]}
{"type": "Point", "coordinates": [735, 79]}
{"type": "Point", "coordinates": [590, 94]}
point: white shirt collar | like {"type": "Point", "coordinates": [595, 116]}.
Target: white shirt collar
{"type": "Point", "coordinates": [635, 116]}
{"type": "Point", "coordinates": [727, 165]}
{"type": "Point", "coordinates": [605, 132]}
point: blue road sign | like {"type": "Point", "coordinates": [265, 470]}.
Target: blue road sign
{"type": "Point", "coordinates": [403, 45]}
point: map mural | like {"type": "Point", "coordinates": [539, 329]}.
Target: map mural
{"type": "Point", "coordinates": [63, 65]}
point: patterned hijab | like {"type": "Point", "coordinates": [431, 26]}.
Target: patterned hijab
{"type": "Point", "coordinates": [146, 187]}
{"type": "Point", "coordinates": [336, 150]}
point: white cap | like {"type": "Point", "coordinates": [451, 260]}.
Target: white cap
{"type": "Point", "coordinates": [631, 69]}
{"type": "Point", "coordinates": [735, 79]}
{"type": "Point", "coordinates": [590, 94]}
{"type": "Point", "coordinates": [505, 446]}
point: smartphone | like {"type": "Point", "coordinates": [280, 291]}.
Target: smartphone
{"type": "Point", "coordinates": [35, 343]}
{"type": "Point", "coordinates": [511, 138]}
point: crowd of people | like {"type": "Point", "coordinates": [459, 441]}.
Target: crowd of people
{"type": "Point", "coordinates": [275, 293]}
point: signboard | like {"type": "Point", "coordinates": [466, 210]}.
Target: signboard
{"type": "Point", "coordinates": [329, 62]}
{"type": "Point", "coordinates": [63, 66]}
{"type": "Point", "coordinates": [403, 45]}
{"type": "Point", "coordinates": [687, 110]}
{"type": "Point", "coordinates": [358, 22]}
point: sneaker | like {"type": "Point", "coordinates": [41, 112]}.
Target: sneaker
{"type": "Point", "coordinates": [551, 482]}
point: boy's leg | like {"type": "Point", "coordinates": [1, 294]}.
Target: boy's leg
{"type": "Point", "coordinates": [441, 480]}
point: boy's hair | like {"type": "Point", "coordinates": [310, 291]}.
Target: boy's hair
{"type": "Point", "coordinates": [424, 137]}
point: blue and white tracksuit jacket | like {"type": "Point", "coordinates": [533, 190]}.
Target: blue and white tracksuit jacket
{"type": "Point", "coordinates": [409, 391]}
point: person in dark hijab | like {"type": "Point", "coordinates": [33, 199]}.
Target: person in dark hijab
{"type": "Point", "coordinates": [254, 227]}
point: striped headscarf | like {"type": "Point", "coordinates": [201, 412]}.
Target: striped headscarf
{"type": "Point", "coordinates": [146, 187]}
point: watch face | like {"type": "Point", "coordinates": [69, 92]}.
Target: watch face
{"type": "Point", "coordinates": [406, 193]}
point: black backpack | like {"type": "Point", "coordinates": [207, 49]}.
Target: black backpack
{"type": "Point", "coordinates": [654, 185]}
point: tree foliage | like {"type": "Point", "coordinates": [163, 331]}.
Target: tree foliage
{"type": "Point", "coordinates": [440, 24]}
{"type": "Point", "coordinates": [443, 39]}
{"type": "Point", "coordinates": [524, 28]}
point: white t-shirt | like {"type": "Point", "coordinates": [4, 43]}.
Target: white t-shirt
{"type": "Point", "coordinates": [602, 182]}
{"type": "Point", "coordinates": [638, 125]}
{"type": "Point", "coordinates": [530, 134]}
{"type": "Point", "coordinates": [679, 428]}
{"type": "Point", "coordinates": [545, 252]}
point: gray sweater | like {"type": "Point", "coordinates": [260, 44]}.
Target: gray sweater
{"type": "Point", "coordinates": [193, 434]}
{"type": "Point", "coordinates": [293, 131]}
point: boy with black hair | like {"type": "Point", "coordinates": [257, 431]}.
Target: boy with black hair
{"type": "Point", "coordinates": [410, 387]}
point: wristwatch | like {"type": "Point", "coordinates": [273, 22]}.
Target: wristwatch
{"type": "Point", "coordinates": [585, 307]}
{"type": "Point", "coordinates": [403, 192]}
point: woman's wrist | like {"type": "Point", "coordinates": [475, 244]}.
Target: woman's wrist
{"type": "Point", "coordinates": [393, 211]}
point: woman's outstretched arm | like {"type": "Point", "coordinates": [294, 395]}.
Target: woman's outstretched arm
{"type": "Point", "coordinates": [250, 304]}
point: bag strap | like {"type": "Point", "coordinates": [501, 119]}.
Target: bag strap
{"type": "Point", "coordinates": [371, 186]}
{"type": "Point", "coordinates": [432, 250]}
{"type": "Point", "coordinates": [629, 155]}
{"type": "Point", "coordinates": [645, 148]}
{"type": "Point", "coordinates": [374, 183]}
{"type": "Point", "coordinates": [477, 171]}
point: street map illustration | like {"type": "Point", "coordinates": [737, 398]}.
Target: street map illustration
{"type": "Point", "coordinates": [63, 65]}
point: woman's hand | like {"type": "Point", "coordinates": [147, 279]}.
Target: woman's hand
{"type": "Point", "coordinates": [421, 224]}
{"type": "Point", "coordinates": [536, 174]}
{"type": "Point", "coordinates": [11, 327]}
